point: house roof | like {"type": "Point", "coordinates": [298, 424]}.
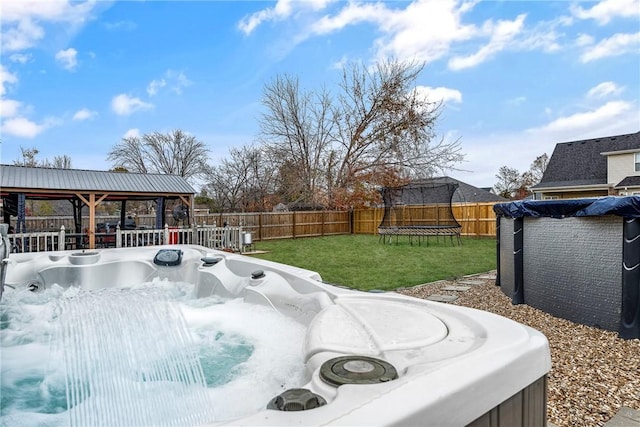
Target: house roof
{"type": "Point", "coordinates": [581, 163]}
{"type": "Point", "coordinates": [467, 193]}
{"type": "Point", "coordinates": [630, 181]}
{"type": "Point", "coordinates": [52, 180]}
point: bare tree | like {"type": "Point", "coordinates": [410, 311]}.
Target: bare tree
{"type": "Point", "coordinates": [242, 182]}
{"type": "Point", "coordinates": [384, 122]}
{"type": "Point", "coordinates": [535, 172]}
{"type": "Point", "coordinates": [513, 185]}
{"type": "Point", "coordinates": [61, 162]}
{"type": "Point", "coordinates": [329, 148]}
{"type": "Point", "coordinates": [176, 153]}
{"type": "Point", "coordinates": [129, 155]}
{"type": "Point", "coordinates": [509, 182]}
{"type": "Point", "coordinates": [296, 130]}
{"type": "Point", "coordinates": [29, 159]}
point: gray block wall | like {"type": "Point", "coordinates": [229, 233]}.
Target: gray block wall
{"type": "Point", "coordinates": [507, 278]}
{"type": "Point", "coordinates": [572, 267]}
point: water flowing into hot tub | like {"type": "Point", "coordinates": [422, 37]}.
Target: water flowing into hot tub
{"type": "Point", "coordinates": [147, 355]}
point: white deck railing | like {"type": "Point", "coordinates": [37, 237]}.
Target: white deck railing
{"type": "Point", "coordinates": [222, 238]}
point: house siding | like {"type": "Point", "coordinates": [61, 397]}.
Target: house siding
{"type": "Point", "coordinates": [620, 166]}
{"type": "Point", "coordinates": [542, 195]}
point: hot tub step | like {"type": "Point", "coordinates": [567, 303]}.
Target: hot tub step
{"type": "Point", "coordinates": [626, 417]}
{"type": "Point", "coordinates": [471, 282]}
{"type": "Point", "coordinates": [456, 288]}
{"type": "Point", "coordinates": [442, 298]}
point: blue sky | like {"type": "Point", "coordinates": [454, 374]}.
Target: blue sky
{"type": "Point", "coordinates": [516, 77]}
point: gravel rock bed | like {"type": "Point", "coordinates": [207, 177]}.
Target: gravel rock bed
{"type": "Point", "coordinates": [594, 373]}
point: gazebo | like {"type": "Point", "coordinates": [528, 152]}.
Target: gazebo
{"type": "Point", "coordinates": [88, 188]}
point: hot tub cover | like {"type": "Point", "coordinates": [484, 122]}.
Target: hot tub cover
{"type": "Point", "coordinates": [627, 207]}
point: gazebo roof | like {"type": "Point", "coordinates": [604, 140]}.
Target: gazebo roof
{"type": "Point", "coordinates": [39, 182]}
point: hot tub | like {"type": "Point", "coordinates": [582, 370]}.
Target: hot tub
{"type": "Point", "coordinates": [366, 358]}
{"type": "Point", "coordinates": [577, 259]}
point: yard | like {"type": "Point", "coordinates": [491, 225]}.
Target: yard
{"type": "Point", "coordinates": [360, 261]}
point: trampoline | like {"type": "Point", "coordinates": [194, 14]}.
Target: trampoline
{"type": "Point", "coordinates": [419, 210]}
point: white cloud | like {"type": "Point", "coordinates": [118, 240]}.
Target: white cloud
{"type": "Point", "coordinates": [437, 94]}
{"type": "Point", "coordinates": [25, 128]}
{"type": "Point", "coordinates": [603, 90]}
{"type": "Point", "coordinates": [120, 26]}
{"type": "Point", "coordinates": [519, 100]}
{"type": "Point", "coordinates": [542, 35]}
{"type": "Point", "coordinates": [124, 105]}
{"type": "Point", "coordinates": [352, 14]}
{"type": "Point", "coordinates": [176, 81]}
{"type": "Point", "coordinates": [502, 35]}
{"type": "Point", "coordinates": [341, 63]}
{"type": "Point", "coordinates": [519, 148]}
{"type": "Point", "coordinates": [578, 122]}
{"type": "Point", "coordinates": [423, 31]}
{"type": "Point", "coordinates": [23, 21]}
{"type": "Point", "coordinates": [20, 58]}
{"type": "Point", "coordinates": [6, 77]}
{"type": "Point", "coordinates": [59, 10]}
{"type": "Point", "coordinates": [22, 35]}
{"type": "Point", "coordinates": [281, 10]}
{"type": "Point", "coordinates": [67, 58]}
{"type": "Point", "coordinates": [84, 114]}
{"type": "Point", "coordinates": [132, 133]}
{"type": "Point", "coordinates": [155, 85]}
{"type": "Point", "coordinates": [9, 108]}
{"type": "Point", "coordinates": [606, 10]}
{"type": "Point", "coordinates": [584, 40]}
{"type": "Point", "coordinates": [618, 44]}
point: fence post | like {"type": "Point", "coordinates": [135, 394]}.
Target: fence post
{"type": "Point", "coordinates": [477, 222]}
{"type": "Point", "coordinates": [195, 237]}
{"type": "Point", "coordinates": [352, 221]}
{"type": "Point", "coordinates": [118, 236]}
{"type": "Point", "coordinates": [293, 227]}
{"type": "Point", "coordinates": [61, 239]}
{"type": "Point", "coordinates": [260, 226]}
{"type": "Point", "coordinates": [322, 213]}
{"type": "Point", "coordinates": [166, 234]}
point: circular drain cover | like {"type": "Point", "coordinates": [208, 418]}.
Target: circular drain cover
{"type": "Point", "coordinates": [296, 399]}
{"type": "Point", "coordinates": [357, 370]}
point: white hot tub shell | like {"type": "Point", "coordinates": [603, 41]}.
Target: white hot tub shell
{"type": "Point", "coordinates": [455, 366]}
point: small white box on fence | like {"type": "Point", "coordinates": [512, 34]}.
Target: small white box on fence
{"type": "Point", "coordinates": [247, 239]}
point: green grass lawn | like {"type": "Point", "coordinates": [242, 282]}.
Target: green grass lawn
{"type": "Point", "coordinates": [360, 261]}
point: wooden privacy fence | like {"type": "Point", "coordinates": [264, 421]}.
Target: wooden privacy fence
{"type": "Point", "coordinates": [286, 225]}
{"type": "Point", "coordinates": [477, 220]}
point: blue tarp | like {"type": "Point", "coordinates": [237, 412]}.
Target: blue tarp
{"type": "Point", "coordinates": [627, 207]}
